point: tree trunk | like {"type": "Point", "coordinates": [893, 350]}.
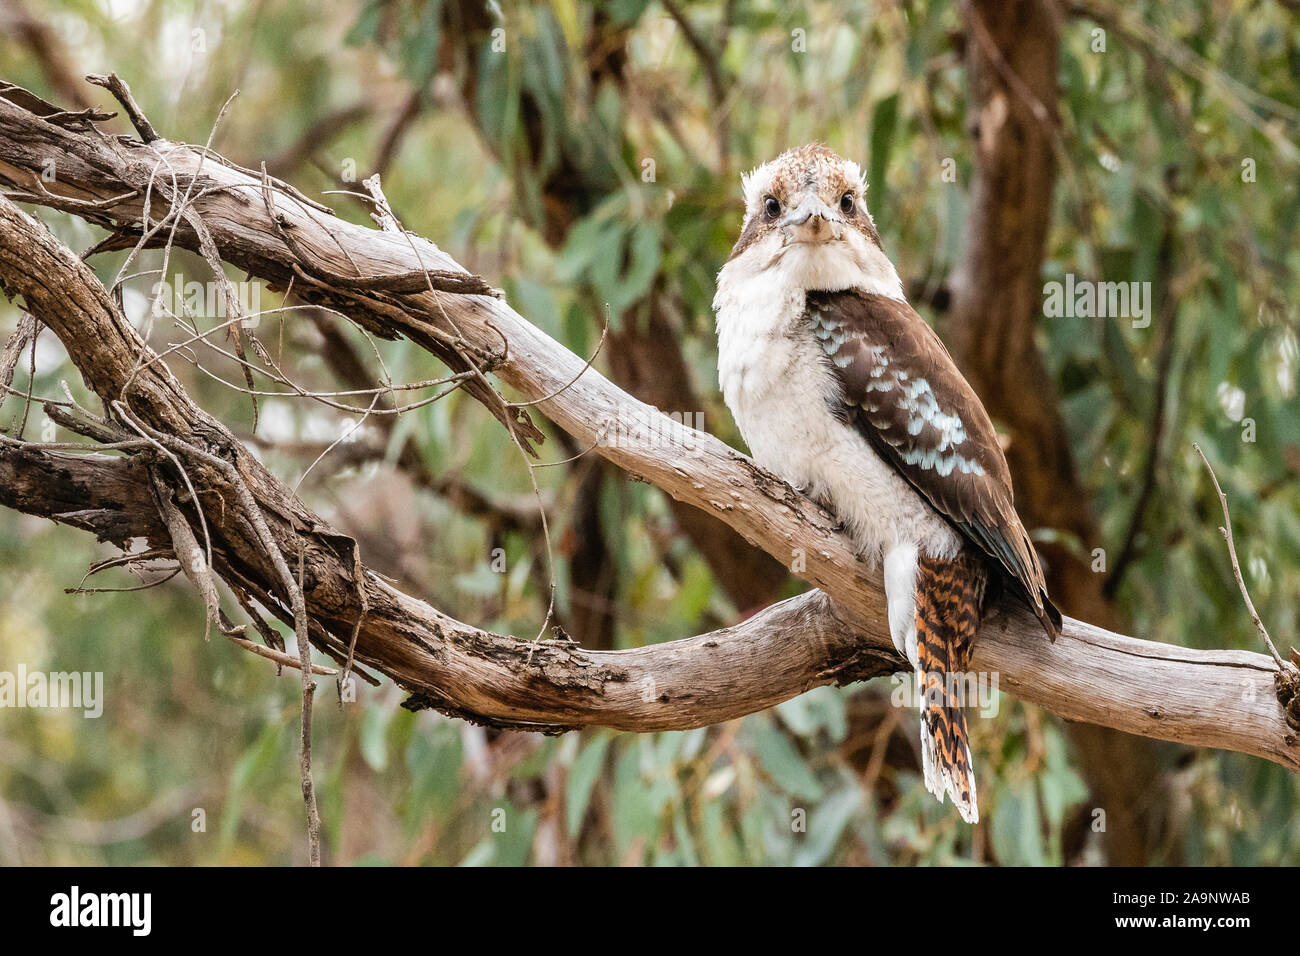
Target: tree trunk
{"type": "Point", "coordinates": [997, 299]}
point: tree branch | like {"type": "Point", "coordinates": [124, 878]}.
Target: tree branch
{"type": "Point", "coordinates": [1208, 698]}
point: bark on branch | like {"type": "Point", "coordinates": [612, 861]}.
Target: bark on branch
{"type": "Point", "coordinates": [1208, 698]}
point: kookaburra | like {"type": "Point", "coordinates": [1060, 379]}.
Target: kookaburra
{"type": "Point", "coordinates": [840, 388]}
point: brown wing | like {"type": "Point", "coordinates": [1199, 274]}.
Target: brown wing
{"type": "Point", "coordinates": [903, 391]}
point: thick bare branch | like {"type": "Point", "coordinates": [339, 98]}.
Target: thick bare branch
{"type": "Point", "coordinates": [1209, 698]}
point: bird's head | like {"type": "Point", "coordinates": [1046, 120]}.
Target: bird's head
{"type": "Point", "coordinates": [806, 217]}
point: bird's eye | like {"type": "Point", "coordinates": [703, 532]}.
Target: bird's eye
{"type": "Point", "coordinates": [771, 207]}
{"type": "Point", "coordinates": [846, 204]}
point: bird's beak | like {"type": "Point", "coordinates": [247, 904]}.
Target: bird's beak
{"type": "Point", "coordinates": [812, 221]}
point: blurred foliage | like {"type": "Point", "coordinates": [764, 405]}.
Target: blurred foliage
{"type": "Point", "coordinates": [1155, 130]}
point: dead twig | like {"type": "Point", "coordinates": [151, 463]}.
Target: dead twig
{"type": "Point", "coordinates": [1226, 531]}
{"type": "Point", "coordinates": [363, 606]}
{"type": "Point", "coordinates": [235, 632]}
{"type": "Point", "coordinates": [122, 93]}
{"type": "Point", "coordinates": [416, 280]}
{"type": "Point", "coordinates": [208, 248]}
{"type": "Point", "coordinates": [188, 553]}
{"type": "Point", "coordinates": [308, 695]}
{"type": "Point", "coordinates": [140, 429]}
{"type": "Point", "coordinates": [23, 334]}
{"type": "Point", "coordinates": [297, 603]}
{"type": "Point", "coordinates": [269, 634]}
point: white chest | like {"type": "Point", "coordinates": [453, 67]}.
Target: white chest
{"type": "Point", "coordinates": [779, 388]}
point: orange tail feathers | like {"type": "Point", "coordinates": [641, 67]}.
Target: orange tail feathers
{"type": "Point", "coordinates": [948, 599]}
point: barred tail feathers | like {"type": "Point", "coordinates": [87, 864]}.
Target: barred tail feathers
{"type": "Point", "coordinates": [948, 597]}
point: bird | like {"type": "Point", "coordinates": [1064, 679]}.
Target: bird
{"type": "Point", "coordinates": [842, 389]}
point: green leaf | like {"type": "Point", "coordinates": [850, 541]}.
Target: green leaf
{"type": "Point", "coordinates": [719, 843]}
{"type": "Point", "coordinates": [643, 252]}
{"type": "Point", "coordinates": [582, 778]}
{"type": "Point", "coordinates": [1016, 828]}
{"type": "Point", "coordinates": [783, 762]}
{"type": "Point", "coordinates": [826, 824]}
{"type": "Point", "coordinates": [585, 240]}
{"type": "Point", "coordinates": [636, 807]}
{"type": "Point", "coordinates": [607, 262]}
{"type": "Point", "coordinates": [252, 765]}
{"type": "Point", "coordinates": [433, 759]}
{"type": "Point", "coordinates": [884, 123]}
{"type": "Point", "coordinates": [821, 708]}
{"type": "Point", "coordinates": [685, 854]}
{"type": "Point", "coordinates": [515, 842]}
{"type": "Point", "coordinates": [366, 28]}
{"type": "Point", "coordinates": [481, 855]}
{"type": "Point", "coordinates": [1120, 365]}
{"type": "Point", "coordinates": [419, 44]}
{"type": "Point", "coordinates": [626, 12]}
{"type": "Point", "coordinates": [374, 740]}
